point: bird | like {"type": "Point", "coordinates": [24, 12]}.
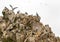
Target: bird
{"type": "Point", "coordinates": [18, 11]}
{"type": "Point", "coordinates": [26, 13]}
{"type": "Point", "coordinates": [13, 8]}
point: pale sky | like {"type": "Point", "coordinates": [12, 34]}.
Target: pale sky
{"type": "Point", "coordinates": [48, 10]}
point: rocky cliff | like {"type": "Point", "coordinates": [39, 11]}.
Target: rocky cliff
{"type": "Point", "coordinates": [22, 27]}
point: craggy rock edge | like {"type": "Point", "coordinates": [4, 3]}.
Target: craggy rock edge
{"type": "Point", "coordinates": [21, 27]}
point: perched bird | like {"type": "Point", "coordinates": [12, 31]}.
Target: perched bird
{"type": "Point", "coordinates": [26, 13]}
{"type": "Point", "coordinates": [38, 17]}
{"type": "Point", "coordinates": [18, 11]}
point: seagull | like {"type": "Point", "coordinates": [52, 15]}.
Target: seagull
{"type": "Point", "coordinates": [18, 11]}
{"type": "Point", "coordinates": [13, 8]}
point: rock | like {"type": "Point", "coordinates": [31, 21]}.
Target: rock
{"type": "Point", "coordinates": [22, 27]}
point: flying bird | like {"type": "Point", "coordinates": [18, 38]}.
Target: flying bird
{"type": "Point", "coordinates": [13, 8]}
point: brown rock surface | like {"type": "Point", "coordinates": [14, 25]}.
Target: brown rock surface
{"type": "Point", "coordinates": [22, 27]}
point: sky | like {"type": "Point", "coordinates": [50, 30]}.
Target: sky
{"type": "Point", "coordinates": [48, 10]}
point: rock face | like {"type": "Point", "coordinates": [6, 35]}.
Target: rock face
{"type": "Point", "coordinates": [22, 27]}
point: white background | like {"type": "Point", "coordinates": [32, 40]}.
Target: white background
{"type": "Point", "coordinates": [48, 10]}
